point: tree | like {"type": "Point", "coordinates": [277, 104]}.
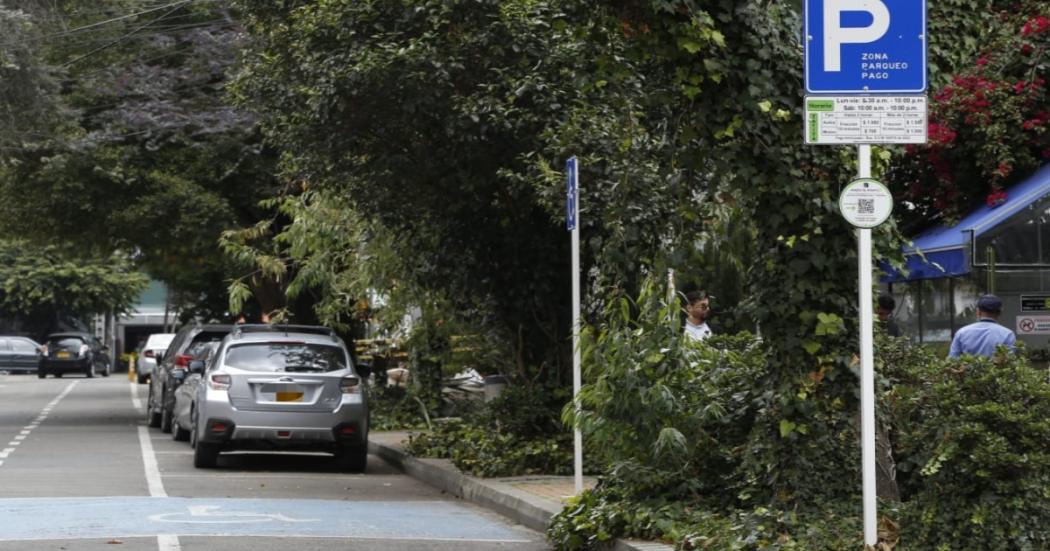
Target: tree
{"type": "Point", "coordinates": [35, 281]}
{"type": "Point", "coordinates": [151, 159]}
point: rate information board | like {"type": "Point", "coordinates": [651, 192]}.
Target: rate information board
{"type": "Point", "coordinates": [843, 120]}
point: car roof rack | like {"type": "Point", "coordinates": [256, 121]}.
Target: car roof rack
{"type": "Point", "coordinates": [243, 328]}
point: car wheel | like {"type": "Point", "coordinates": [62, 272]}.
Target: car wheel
{"type": "Point", "coordinates": [165, 419]}
{"type": "Point", "coordinates": [40, 374]}
{"type": "Point", "coordinates": [90, 371]}
{"type": "Point", "coordinates": [205, 455]}
{"type": "Point", "coordinates": [105, 372]}
{"type": "Point", "coordinates": [178, 433]}
{"type": "Point", "coordinates": [352, 458]}
{"type": "Point", "coordinates": [152, 415]}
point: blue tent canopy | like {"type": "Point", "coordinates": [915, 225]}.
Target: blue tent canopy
{"type": "Point", "coordinates": [947, 248]}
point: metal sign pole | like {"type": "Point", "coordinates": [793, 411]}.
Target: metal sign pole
{"type": "Point", "coordinates": [573, 204]}
{"type": "Point", "coordinates": [867, 368]}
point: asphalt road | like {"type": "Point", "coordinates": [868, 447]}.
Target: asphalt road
{"type": "Point", "coordinates": [80, 470]}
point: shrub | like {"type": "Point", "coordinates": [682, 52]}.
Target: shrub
{"type": "Point", "coordinates": [595, 517]}
{"type": "Point", "coordinates": [973, 438]}
{"type": "Point", "coordinates": [517, 433]}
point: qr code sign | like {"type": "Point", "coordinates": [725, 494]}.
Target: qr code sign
{"type": "Point", "coordinates": [865, 206]}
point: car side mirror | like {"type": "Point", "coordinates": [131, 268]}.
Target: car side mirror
{"type": "Point", "coordinates": [197, 366]}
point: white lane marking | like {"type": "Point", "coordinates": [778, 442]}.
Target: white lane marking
{"type": "Point", "coordinates": [36, 422]}
{"type": "Point", "coordinates": [149, 461]}
{"type": "Point", "coordinates": [135, 401]}
{"type": "Point", "coordinates": [168, 542]}
{"type": "Point", "coordinates": [165, 542]}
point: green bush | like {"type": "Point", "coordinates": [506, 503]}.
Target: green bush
{"type": "Point", "coordinates": [595, 517]}
{"type": "Point", "coordinates": [665, 413]}
{"type": "Point", "coordinates": [972, 438]}
{"type": "Point", "coordinates": [517, 433]}
{"type": "Point", "coordinates": [395, 408]}
{"type": "Point", "coordinates": [685, 431]}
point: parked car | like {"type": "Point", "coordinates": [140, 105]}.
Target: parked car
{"type": "Point", "coordinates": [280, 387]}
{"type": "Point", "coordinates": [19, 353]}
{"type": "Point", "coordinates": [74, 352]}
{"type": "Point", "coordinates": [154, 348]}
{"type": "Point", "coordinates": [185, 395]}
{"type": "Point", "coordinates": [173, 367]}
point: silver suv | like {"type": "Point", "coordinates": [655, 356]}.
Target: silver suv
{"type": "Point", "coordinates": [280, 387]}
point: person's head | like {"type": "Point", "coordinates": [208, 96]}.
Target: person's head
{"type": "Point", "coordinates": [989, 306]}
{"type": "Point", "coordinates": [698, 306]}
{"type": "Point", "coordinates": [885, 307]}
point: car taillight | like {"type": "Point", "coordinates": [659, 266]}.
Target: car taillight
{"type": "Point", "coordinates": [183, 360]}
{"type": "Point", "coordinates": [149, 354]}
{"type": "Point", "coordinates": [84, 349]}
{"type": "Point", "coordinates": [219, 381]}
{"type": "Point", "coordinates": [350, 385]}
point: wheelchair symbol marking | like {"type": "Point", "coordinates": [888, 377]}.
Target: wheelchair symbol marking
{"type": "Point", "coordinates": [211, 514]}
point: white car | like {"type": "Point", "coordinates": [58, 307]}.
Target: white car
{"type": "Point", "coordinates": [153, 350]}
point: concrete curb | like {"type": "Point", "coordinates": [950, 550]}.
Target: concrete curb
{"type": "Point", "coordinates": [521, 507]}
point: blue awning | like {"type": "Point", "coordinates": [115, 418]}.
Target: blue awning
{"type": "Point", "coordinates": [947, 248]}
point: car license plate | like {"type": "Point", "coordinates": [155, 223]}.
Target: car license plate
{"type": "Point", "coordinates": [63, 355]}
{"type": "Point", "coordinates": [289, 396]}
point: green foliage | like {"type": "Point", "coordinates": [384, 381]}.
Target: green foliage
{"type": "Point", "coordinates": [48, 279]}
{"type": "Point", "coordinates": [395, 408]}
{"type": "Point", "coordinates": [665, 412]}
{"type": "Point", "coordinates": [971, 443]}
{"type": "Point", "coordinates": [137, 150]}
{"type": "Point", "coordinates": [518, 433]}
{"type": "Point", "coordinates": [595, 517]}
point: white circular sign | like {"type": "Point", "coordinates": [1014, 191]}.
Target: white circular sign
{"type": "Point", "coordinates": [865, 203]}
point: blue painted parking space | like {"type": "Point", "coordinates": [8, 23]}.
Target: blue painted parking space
{"type": "Point", "coordinates": [79, 518]}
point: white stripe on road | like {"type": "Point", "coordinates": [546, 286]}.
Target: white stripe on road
{"type": "Point", "coordinates": [135, 396]}
{"type": "Point", "coordinates": [25, 432]}
{"type": "Point", "coordinates": [168, 542]}
{"type": "Point", "coordinates": [149, 460]}
{"type": "Point", "coordinates": [165, 542]}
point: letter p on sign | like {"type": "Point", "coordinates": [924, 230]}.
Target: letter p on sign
{"type": "Point", "coordinates": [835, 35]}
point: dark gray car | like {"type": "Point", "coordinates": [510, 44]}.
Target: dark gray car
{"type": "Point", "coordinates": [19, 354]}
{"type": "Point", "coordinates": [173, 368]}
{"type": "Point", "coordinates": [74, 352]}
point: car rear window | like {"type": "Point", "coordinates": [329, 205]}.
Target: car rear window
{"type": "Point", "coordinates": [158, 341]}
{"type": "Point", "coordinates": [286, 357]}
{"type": "Point", "coordinates": [203, 342]}
{"type": "Point", "coordinates": [65, 342]}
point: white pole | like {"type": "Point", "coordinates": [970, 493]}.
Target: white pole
{"type": "Point", "coordinates": [867, 367]}
{"type": "Point", "coordinates": [577, 357]}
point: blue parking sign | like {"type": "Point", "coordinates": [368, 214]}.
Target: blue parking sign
{"type": "Point", "coordinates": [865, 46]}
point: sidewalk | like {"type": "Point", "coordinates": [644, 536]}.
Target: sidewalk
{"type": "Point", "coordinates": [527, 500]}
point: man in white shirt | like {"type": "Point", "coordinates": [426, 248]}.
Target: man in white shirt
{"type": "Point", "coordinates": [698, 308]}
